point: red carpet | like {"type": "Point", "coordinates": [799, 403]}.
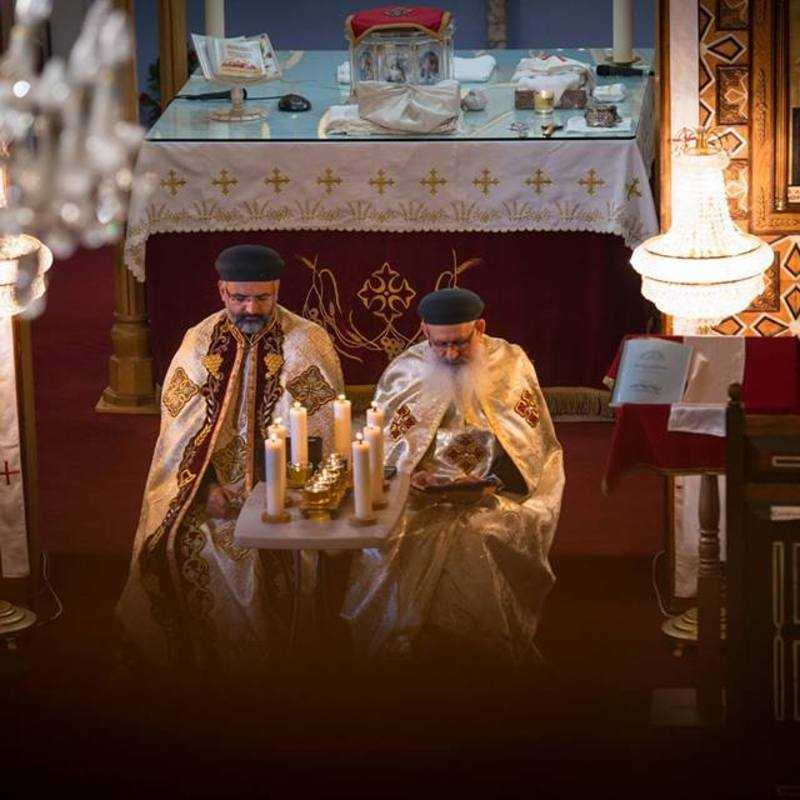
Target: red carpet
{"type": "Point", "coordinates": [92, 466]}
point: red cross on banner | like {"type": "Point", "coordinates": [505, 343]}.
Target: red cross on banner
{"type": "Point", "coordinates": [7, 472]}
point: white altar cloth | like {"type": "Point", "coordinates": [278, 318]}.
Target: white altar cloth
{"type": "Point", "coordinates": [492, 186]}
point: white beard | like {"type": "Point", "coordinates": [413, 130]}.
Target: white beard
{"type": "Point", "coordinates": [459, 384]}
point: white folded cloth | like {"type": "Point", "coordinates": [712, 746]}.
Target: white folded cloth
{"type": "Point", "coordinates": [469, 70]}
{"type": "Point", "coordinates": [706, 418]}
{"type": "Point", "coordinates": [408, 107]}
{"type": "Point", "coordinates": [473, 70]}
{"type": "Point", "coordinates": [557, 84]}
{"type": "Point", "coordinates": [610, 93]}
{"type": "Point", "coordinates": [578, 125]}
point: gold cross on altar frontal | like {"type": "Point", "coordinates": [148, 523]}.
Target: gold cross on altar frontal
{"type": "Point", "coordinates": [328, 179]}
{"type": "Point", "coordinates": [172, 182]}
{"type": "Point", "coordinates": [484, 182]}
{"type": "Point", "coordinates": [432, 181]}
{"type": "Point", "coordinates": [276, 180]}
{"type": "Point", "coordinates": [591, 181]}
{"type": "Point", "coordinates": [538, 180]}
{"type": "Point", "coordinates": [224, 182]}
{"type": "Point", "coordinates": [380, 181]}
{"type": "Point", "coordinates": [632, 189]}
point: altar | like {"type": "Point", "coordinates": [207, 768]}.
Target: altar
{"type": "Point", "coordinates": [541, 227]}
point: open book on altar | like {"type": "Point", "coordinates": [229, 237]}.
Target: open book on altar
{"type": "Point", "coordinates": [652, 371]}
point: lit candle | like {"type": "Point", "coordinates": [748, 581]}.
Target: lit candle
{"type": "Point", "coordinates": [274, 455]}
{"type": "Point", "coordinates": [215, 18]}
{"type": "Point", "coordinates": [374, 438]}
{"type": "Point", "coordinates": [298, 423]}
{"type": "Point", "coordinates": [362, 484]}
{"type": "Point", "coordinates": [278, 429]}
{"type": "Point", "coordinates": [623, 31]}
{"type": "Point", "coordinates": [342, 433]}
{"type": "Point", "coordinates": [375, 415]}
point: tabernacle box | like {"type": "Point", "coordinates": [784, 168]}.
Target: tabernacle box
{"type": "Point", "coordinates": [651, 371]}
{"type": "Point", "coordinates": [400, 44]}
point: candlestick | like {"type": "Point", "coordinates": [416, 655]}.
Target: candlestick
{"type": "Point", "coordinates": [623, 32]}
{"type": "Point", "coordinates": [362, 487]}
{"type": "Point", "coordinates": [374, 439]}
{"type": "Point", "coordinates": [298, 422]}
{"type": "Point", "coordinates": [342, 432]}
{"type": "Point", "coordinates": [273, 460]}
{"type": "Point", "coordinates": [215, 18]}
{"type": "Point", "coordinates": [375, 415]}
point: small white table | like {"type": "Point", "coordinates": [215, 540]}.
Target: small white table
{"type": "Point", "coordinates": [308, 534]}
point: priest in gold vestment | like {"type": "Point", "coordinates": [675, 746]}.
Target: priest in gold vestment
{"type": "Point", "coordinates": [461, 406]}
{"type": "Point", "coordinates": [194, 597]}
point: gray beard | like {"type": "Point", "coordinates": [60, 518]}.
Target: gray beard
{"type": "Point", "coordinates": [249, 324]}
{"type": "Point", "coordinates": [456, 384]}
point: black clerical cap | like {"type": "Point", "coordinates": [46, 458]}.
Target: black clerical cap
{"type": "Point", "coordinates": [450, 307]}
{"type": "Point", "coordinates": [246, 263]}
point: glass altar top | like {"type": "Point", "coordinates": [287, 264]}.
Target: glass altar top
{"type": "Point", "coordinates": [312, 74]}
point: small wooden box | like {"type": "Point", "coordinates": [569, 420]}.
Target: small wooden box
{"type": "Point", "coordinates": [523, 98]}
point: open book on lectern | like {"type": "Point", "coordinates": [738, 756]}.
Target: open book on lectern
{"type": "Point", "coordinates": [651, 371]}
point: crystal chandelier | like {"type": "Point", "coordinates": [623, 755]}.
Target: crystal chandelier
{"type": "Point", "coordinates": [67, 153]}
{"type": "Point", "coordinates": [704, 268]}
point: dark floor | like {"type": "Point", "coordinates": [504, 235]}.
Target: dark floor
{"type": "Point", "coordinates": [581, 725]}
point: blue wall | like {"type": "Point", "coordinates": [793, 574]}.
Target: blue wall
{"type": "Point", "coordinates": [319, 24]}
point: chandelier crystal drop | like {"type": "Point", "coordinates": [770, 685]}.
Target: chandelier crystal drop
{"type": "Point", "coordinates": [704, 268]}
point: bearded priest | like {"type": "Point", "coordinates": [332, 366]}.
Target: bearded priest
{"type": "Point", "coordinates": [458, 577]}
{"type": "Point", "coordinates": [193, 597]}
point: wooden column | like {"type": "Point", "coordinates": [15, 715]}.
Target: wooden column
{"type": "Point", "coordinates": [173, 68]}
{"type": "Point", "coordinates": [709, 599]}
{"type": "Point", "coordinates": [131, 387]}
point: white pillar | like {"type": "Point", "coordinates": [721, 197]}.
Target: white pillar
{"type": "Point", "coordinates": [215, 18]}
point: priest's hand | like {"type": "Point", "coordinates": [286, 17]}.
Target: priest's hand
{"type": "Point", "coordinates": [219, 502]}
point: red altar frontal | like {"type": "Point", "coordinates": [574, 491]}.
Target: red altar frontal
{"type": "Point", "coordinates": [567, 298]}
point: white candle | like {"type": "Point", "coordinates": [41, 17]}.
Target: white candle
{"type": "Point", "coordinates": [342, 432]}
{"type": "Point", "coordinates": [375, 415]}
{"type": "Point", "coordinates": [298, 423]}
{"type": "Point", "coordinates": [273, 457]}
{"type": "Point", "coordinates": [373, 436]}
{"type": "Point", "coordinates": [215, 18]}
{"type": "Point", "coordinates": [623, 31]}
{"type": "Point", "coordinates": [278, 429]}
{"type": "Point", "coordinates": [362, 484]}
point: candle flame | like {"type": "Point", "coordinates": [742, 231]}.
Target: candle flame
{"type": "Point", "coordinates": [360, 437]}
{"type": "Point", "coordinates": [341, 397]}
{"type": "Point", "coordinates": [278, 420]}
{"type": "Point", "coordinates": [374, 406]}
{"type": "Point", "coordinates": [273, 438]}
{"type": "Point", "coordinates": [296, 404]}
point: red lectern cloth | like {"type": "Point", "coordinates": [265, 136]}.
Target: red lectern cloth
{"type": "Point", "coordinates": [771, 385]}
{"type": "Point", "coordinates": [433, 20]}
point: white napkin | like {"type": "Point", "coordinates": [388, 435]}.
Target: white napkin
{"type": "Point", "coordinates": [610, 93]}
{"type": "Point", "coordinates": [578, 125]}
{"type": "Point", "coordinates": [469, 70]}
{"type": "Point", "coordinates": [473, 70]}
{"type": "Point", "coordinates": [707, 418]}
{"type": "Point", "coordinates": [557, 84]}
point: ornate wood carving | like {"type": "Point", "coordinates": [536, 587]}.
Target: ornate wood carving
{"type": "Point", "coordinates": [769, 172]}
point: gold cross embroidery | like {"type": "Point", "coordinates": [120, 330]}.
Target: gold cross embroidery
{"type": "Point", "coordinates": [538, 180]}
{"type": "Point", "coordinates": [591, 181]}
{"type": "Point", "coordinates": [528, 408]}
{"type": "Point", "coordinates": [402, 421]}
{"type": "Point", "coordinates": [276, 180]}
{"type": "Point", "coordinates": [632, 189]}
{"type": "Point", "coordinates": [484, 182]}
{"type": "Point", "coordinates": [433, 181]}
{"type": "Point", "coordinates": [224, 182]}
{"type": "Point", "coordinates": [380, 181]}
{"type": "Point", "coordinates": [328, 179]}
{"type": "Point", "coordinates": [172, 182]}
